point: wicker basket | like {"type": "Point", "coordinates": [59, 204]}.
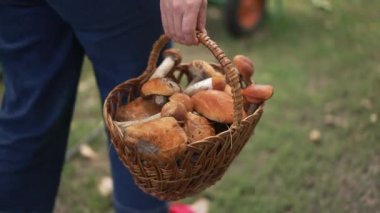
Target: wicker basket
{"type": "Point", "coordinates": [204, 162]}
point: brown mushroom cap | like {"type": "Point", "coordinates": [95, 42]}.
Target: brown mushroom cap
{"type": "Point", "coordinates": [161, 139]}
{"type": "Point", "coordinates": [215, 105]}
{"type": "Point", "coordinates": [184, 99]}
{"type": "Point", "coordinates": [197, 127]}
{"type": "Point", "coordinates": [160, 86]}
{"type": "Point", "coordinates": [137, 109]}
{"type": "Point", "coordinates": [219, 83]}
{"type": "Point", "coordinates": [256, 93]}
{"type": "Point", "coordinates": [245, 67]}
{"type": "Point", "coordinates": [175, 54]}
{"type": "Point", "coordinates": [174, 109]}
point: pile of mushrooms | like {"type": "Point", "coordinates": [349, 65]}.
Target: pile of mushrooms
{"type": "Point", "coordinates": [166, 117]}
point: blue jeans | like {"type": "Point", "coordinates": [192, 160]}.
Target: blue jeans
{"type": "Point", "coordinates": [42, 46]}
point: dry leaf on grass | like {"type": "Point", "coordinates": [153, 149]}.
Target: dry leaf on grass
{"type": "Point", "coordinates": [105, 187]}
{"type": "Point", "coordinates": [373, 118]}
{"type": "Point", "coordinates": [315, 135]}
{"type": "Point", "coordinates": [366, 103]}
{"type": "Point", "coordinates": [322, 4]}
{"type": "Point", "coordinates": [87, 152]}
{"type": "Point", "coordinates": [200, 206]}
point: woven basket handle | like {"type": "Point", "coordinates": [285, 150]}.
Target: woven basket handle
{"type": "Point", "coordinates": [231, 72]}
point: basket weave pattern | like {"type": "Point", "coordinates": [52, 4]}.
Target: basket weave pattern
{"type": "Point", "coordinates": [204, 162]}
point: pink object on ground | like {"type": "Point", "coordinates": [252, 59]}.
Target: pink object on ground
{"type": "Point", "coordinates": [180, 208]}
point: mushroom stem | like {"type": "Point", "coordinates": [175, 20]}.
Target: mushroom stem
{"type": "Point", "coordinates": [252, 108]}
{"type": "Point", "coordinates": [200, 69]}
{"type": "Point", "coordinates": [172, 58]}
{"type": "Point", "coordinates": [216, 82]}
{"type": "Point", "coordinates": [160, 100]}
{"type": "Point", "coordinates": [246, 70]}
{"type": "Point", "coordinates": [126, 124]}
{"type": "Point", "coordinates": [200, 85]}
{"type": "Point", "coordinates": [164, 68]}
{"type": "Point", "coordinates": [171, 109]}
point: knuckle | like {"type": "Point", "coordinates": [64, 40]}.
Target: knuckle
{"type": "Point", "coordinates": [190, 4]}
{"type": "Point", "coordinates": [176, 6]}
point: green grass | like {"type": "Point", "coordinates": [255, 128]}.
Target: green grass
{"type": "Point", "coordinates": [321, 64]}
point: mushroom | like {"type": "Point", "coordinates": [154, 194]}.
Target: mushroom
{"type": "Point", "coordinates": [172, 58]}
{"type": "Point", "coordinates": [246, 70]}
{"type": "Point", "coordinates": [160, 88]}
{"type": "Point", "coordinates": [216, 82]}
{"type": "Point", "coordinates": [184, 99]}
{"type": "Point", "coordinates": [174, 109]}
{"type": "Point", "coordinates": [197, 127]}
{"type": "Point", "coordinates": [200, 69]}
{"type": "Point", "coordinates": [161, 139]}
{"type": "Point", "coordinates": [215, 105]}
{"type": "Point", "coordinates": [245, 67]}
{"type": "Point", "coordinates": [137, 109]}
{"type": "Point", "coordinates": [228, 90]}
{"type": "Point", "coordinates": [257, 93]}
{"type": "Point", "coordinates": [126, 124]}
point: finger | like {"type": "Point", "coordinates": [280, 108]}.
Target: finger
{"type": "Point", "coordinates": [188, 28]}
{"type": "Point", "coordinates": [189, 24]}
{"type": "Point", "coordinates": [164, 18]}
{"type": "Point", "coordinates": [201, 23]}
{"type": "Point", "coordinates": [177, 21]}
{"type": "Point", "coordinates": [170, 20]}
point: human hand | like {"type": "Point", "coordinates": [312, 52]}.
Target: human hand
{"type": "Point", "coordinates": [181, 18]}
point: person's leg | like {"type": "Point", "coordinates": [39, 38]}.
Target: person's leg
{"type": "Point", "coordinates": [117, 35]}
{"type": "Point", "coordinates": [41, 63]}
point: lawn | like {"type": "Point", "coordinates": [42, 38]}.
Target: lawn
{"type": "Point", "coordinates": [325, 68]}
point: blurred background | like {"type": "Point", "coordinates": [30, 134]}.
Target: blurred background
{"type": "Point", "coordinates": [317, 147]}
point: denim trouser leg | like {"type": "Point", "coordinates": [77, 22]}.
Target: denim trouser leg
{"type": "Point", "coordinates": [41, 60]}
{"type": "Point", "coordinates": [117, 35]}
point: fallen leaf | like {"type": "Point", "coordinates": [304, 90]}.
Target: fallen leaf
{"type": "Point", "coordinates": [329, 120]}
{"type": "Point", "coordinates": [315, 135]}
{"type": "Point", "coordinates": [373, 118]}
{"type": "Point", "coordinates": [366, 103]}
{"type": "Point", "coordinates": [87, 152]}
{"type": "Point", "coordinates": [105, 187]}
{"type": "Point", "coordinates": [200, 206]}
{"type": "Point", "coordinates": [322, 4]}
